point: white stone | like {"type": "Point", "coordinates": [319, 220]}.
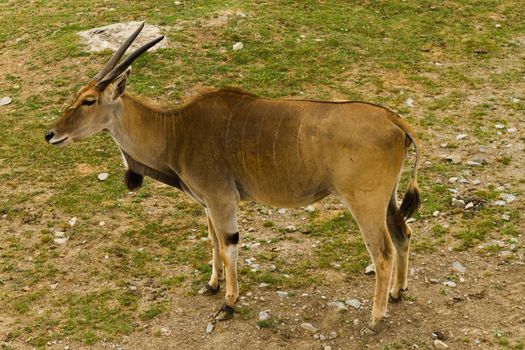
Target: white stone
{"type": "Point", "coordinates": [327, 347]}
{"type": "Point", "coordinates": [459, 203]}
{"type": "Point", "coordinates": [474, 163]}
{"type": "Point", "coordinates": [511, 130]}
{"type": "Point", "coordinates": [332, 335]}
{"type": "Point", "coordinates": [500, 203]}
{"type": "Point", "coordinates": [102, 176]}
{"type": "Point", "coordinates": [209, 328]}
{"type": "Point", "coordinates": [238, 46]}
{"type": "Point", "coordinates": [457, 266]}
{"type": "Point", "coordinates": [356, 304]}
{"type": "Point", "coordinates": [5, 100]}
{"type": "Point", "coordinates": [461, 136]}
{"type": "Point", "coordinates": [59, 234]}
{"type": "Point", "coordinates": [60, 241]}
{"type": "Point", "coordinates": [453, 179]}
{"type": "Point", "coordinates": [310, 209]}
{"type": "Point", "coordinates": [438, 344]}
{"type": "Point", "coordinates": [450, 284]}
{"type": "Point", "coordinates": [370, 269]}
{"type": "Point", "coordinates": [339, 306]}
{"type": "Point", "coordinates": [110, 37]}
{"type": "Point", "coordinates": [282, 294]}
{"type": "Point", "coordinates": [72, 222]}
{"type": "Point", "coordinates": [499, 126]}
{"type": "Point", "coordinates": [101, 223]}
{"type": "Point", "coordinates": [281, 211]}
{"type": "Point", "coordinates": [505, 217]}
{"type": "Point", "coordinates": [476, 182]}
{"type": "Point", "coordinates": [444, 145]}
{"type": "Point", "coordinates": [263, 285]}
{"type": "Point", "coordinates": [436, 213]}
{"type": "Point", "coordinates": [507, 197]}
{"type": "Point", "coordinates": [165, 332]}
{"type": "Point", "coordinates": [290, 228]}
{"type": "Point", "coordinates": [263, 316]}
{"type": "Point", "coordinates": [469, 205]}
{"type": "Point", "coordinates": [409, 102]}
{"type": "Point", "coordinates": [309, 327]}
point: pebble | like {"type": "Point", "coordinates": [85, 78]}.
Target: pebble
{"type": "Point", "coordinates": [436, 213]}
{"type": "Point", "coordinates": [505, 253]}
{"type": "Point", "coordinates": [310, 209]}
{"type": "Point", "coordinates": [370, 269]}
{"type": "Point", "coordinates": [281, 211]}
{"type": "Point", "coordinates": [513, 129]}
{"type": "Point", "coordinates": [238, 46]}
{"type": "Point", "coordinates": [177, 3]}
{"type": "Point", "coordinates": [356, 304]}
{"type": "Point", "coordinates": [444, 145]}
{"type": "Point", "coordinates": [102, 176]}
{"type": "Point", "coordinates": [457, 266]}
{"type": "Point", "coordinates": [209, 328]}
{"type": "Point", "coordinates": [72, 222]}
{"type": "Point", "coordinates": [60, 234]}
{"type": "Point", "coordinates": [309, 327]}
{"type": "Point", "coordinates": [453, 179]}
{"type": "Point", "coordinates": [469, 205]}
{"type": "Point", "coordinates": [332, 335]}
{"type": "Point", "coordinates": [327, 347]}
{"type": "Point", "coordinates": [409, 102]}
{"type": "Point", "coordinates": [476, 182]}
{"type": "Point", "coordinates": [507, 197]}
{"type": "Point", "coordinates": [461, 136]}
{"type": "Point", "coordinates": [101, 223]}
{"type": "Point", "coordinates": [459, 203]}
{"type": "Point", "coordinates": [505, 217]}
{"type": "Point", "coordinates": [500, 203]}
{"type": "Point", "coordinates": [339, 306]}
{"type": "Point", "coordinates": [450, 284]}
{"type": "Point", "coordinates": [438, 344]}
{"type": "Point", "coordinates": [263, 316]}
{"type": "Point", "coordinates": [474, 163]}
{"type": "Point", "coordinates": [282, 294]}
{"type": "Point", "coordinates": [5, 100]}
{"type": "Point", "coordinates": [454, 158]}
{"type": "Point", "coordinates": [290, 228]}
{"type": "Point", "coordinates": [499, 126]}
{"type": "Point", "coordinates": [263, 285]}
{"type": "Point", "coordinates": [60, 240]}
{"type": "Point", "coordinates": [166, 332]}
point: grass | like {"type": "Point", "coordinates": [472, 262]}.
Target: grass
{"type": "Point", "coordinates": [441, 54]}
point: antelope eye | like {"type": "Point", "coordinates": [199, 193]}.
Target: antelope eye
{"type": "Point", "coordinates": [88, 102]}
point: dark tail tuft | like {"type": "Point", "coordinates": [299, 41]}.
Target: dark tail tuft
{"type": "Point", "coordinates": [411, 201]}
{"type": "Point", "coordinates": [133, 180]}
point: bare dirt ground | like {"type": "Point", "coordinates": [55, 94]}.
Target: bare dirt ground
{"type": "Point", "coordinates": [480, 308]}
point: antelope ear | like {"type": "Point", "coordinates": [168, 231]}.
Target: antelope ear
{"type": "Point", "coordinates": [119, 84]}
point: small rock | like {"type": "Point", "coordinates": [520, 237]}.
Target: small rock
{"type": "Point", "coordinates": [505, 217]}
{"type": "Point", "coordinates": [436, 213]}
{"type": "Point", "coordinates": [4, 101]}
{"type": "Point", "coordinates": [60, 241]}
{"type": "Point", "coordinates": [454, 158]}
{"type": "Point", "coordinates": [290, 228]}
{"type": "Point", "coordinates": [310, 209]}
{"type": "Point", "coordinates": [72, 222]}
{"type": "Point", "coordinates": [177, 3]}
{"type": "Point", "coordinates": [101, 223]}
{"type": "Point", "coordinates": [453, 179]}
{"type": "Point", "coordinates": [438, 344]}
{"type": "Point", "coordinates": [450, 284]}
{"type": "Point", "coordinates": [238, 46]}
{"type": "Point", "coordinates": [339, 306]}
{"type": "Point", "coordinates": [458, 203]}
{"type": "Point", "coordinates": [370, 269]}
{"type": "Point", "coordinates": [282, 294]}
{"type": "Point", "coordinates": [507, 197]}
{"type": "Point", "coordinates": [505, 253]}
{"type": "Point", "coordinates": [263, 316]}
{"type": "Point", "coordinates": [356, 304]}
{"type": "Point", "coordinates": [166, 332]}
{"type": "Point", "coordinates": [409, 102]}
{"type": "Point", "coordinates": [309, 327]}
{"type": "Point", "coordinates": [102, 176]}
{"type": "Point", "coordinates": [332, 335]}
{"type": "Point", "coordinates": [457, 266]}
{"type": "Point", "coordinates": [54, 285]}
{"type": "Point", "coordinates": [251, 229]}
{"type": "Point", "coordinates": [474, 163]}
{"type": "Point", "coordinates": [60, 234]}
{"type": "Point", "coordinates": [511, 130]}
{"type": "Point", "coordinates": [499, 126]}
{"type": "Point", "coordinates": [209, 328]}
{"type": "Point", "coordinates": [469, 205]}
{"type": "Point", "coordinates": [327, 347]}
{"type": "Point", "coordinates": [476, 182]}
{"type": "Point", "coordinates": [461, 136]}
{"type": "Point", "coordinates": [500, 203]}
{"type": "Point", "coordinates": [444, 145]}
{"type": "Point", "coordinates": [434, 281]}
{"type": "Point", "coordinates": [263, 285]}
{"type": "Point", "coordinates": [281, 211]}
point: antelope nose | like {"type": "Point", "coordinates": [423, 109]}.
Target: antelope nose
{"type": "Point", "coordinates": [49, 135]}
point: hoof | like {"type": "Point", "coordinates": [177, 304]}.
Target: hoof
{"type": "Point", "coordinates": [399, 297]}
{"type": "Point", "coordinates": [225, 313]}
{"type": "Point", "coordinates": [209, 290]}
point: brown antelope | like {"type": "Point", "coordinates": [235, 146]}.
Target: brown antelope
{"type": "Point", "coordinates": [227, 145]}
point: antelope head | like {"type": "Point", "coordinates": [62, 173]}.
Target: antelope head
{"type": "Point", "coordinates": [96, 104]}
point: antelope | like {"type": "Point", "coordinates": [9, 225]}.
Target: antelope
{"type": "Point", "coordinates": [227, 145]}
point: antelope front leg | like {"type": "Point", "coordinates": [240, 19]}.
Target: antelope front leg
{"type": "Point", "coordinates": [217, 273]}
{"type": "Point", "coordinates": [224, 222]}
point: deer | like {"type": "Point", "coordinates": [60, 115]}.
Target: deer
{"type": "Point", "coordinates": [226, 146]}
